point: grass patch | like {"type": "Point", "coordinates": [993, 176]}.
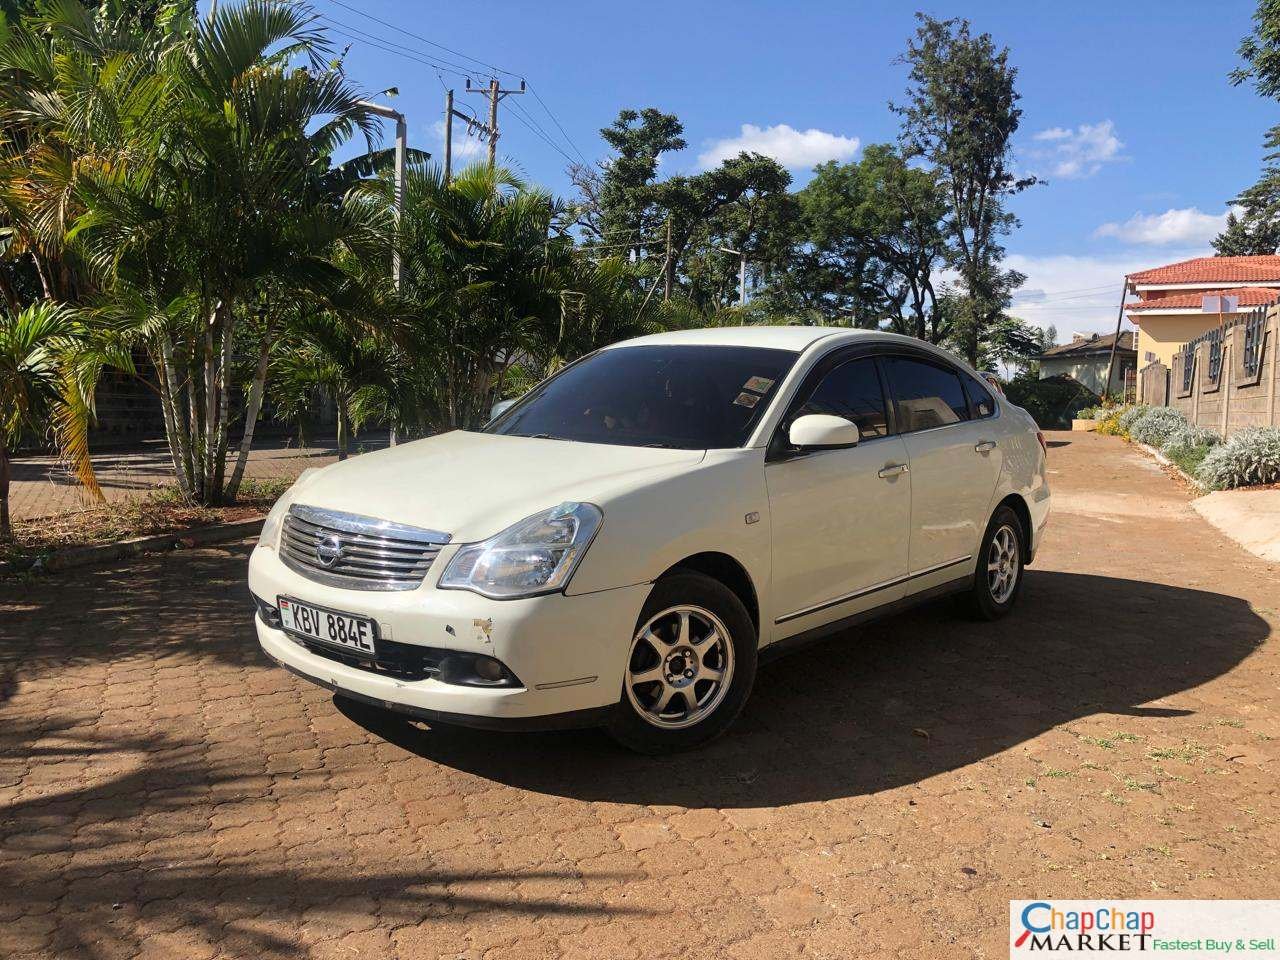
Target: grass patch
{"type": "Point", "coordinates": [1109, 743]}
{"type": "Point", "coordinates": [158, 511]}
{"type": "Point", "coordinates": [1189, 752]}
{"type": "Point", "coordinates": [1188, 460]}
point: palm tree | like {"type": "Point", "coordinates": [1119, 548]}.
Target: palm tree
{"type": "Point", "coordinates": [190, 170]}
{"type": "Point", "coordinates": [50, 363]}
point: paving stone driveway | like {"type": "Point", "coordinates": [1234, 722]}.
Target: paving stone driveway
{"type": "Point", "coordinates": [165, 792]}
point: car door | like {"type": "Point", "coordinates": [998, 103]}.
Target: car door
{"type": "Point", "coordinates": [839, 517]}
{"type": "Point", "coordinates": [955, 462]}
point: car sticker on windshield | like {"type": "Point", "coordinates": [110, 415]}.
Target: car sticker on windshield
{"type": "Point", "coordinates": [758, 384]}
{"type": "Point", "coordinates": [747, 400]}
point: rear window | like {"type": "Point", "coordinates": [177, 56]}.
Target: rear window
{"type": "Point", "coordinates": [925, 395]}
{"type": "Point", "coordinates": [682, 396]}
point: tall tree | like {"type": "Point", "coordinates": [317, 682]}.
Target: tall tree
{"type": "Point", "coordinates": [1256, 230]}
{"type": "Point", "coordinates": [959, 116]}
{"type": "Point", "coordinates": [616, 198]}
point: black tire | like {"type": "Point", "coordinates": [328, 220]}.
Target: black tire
{"type": "Point", "coordinates": [630, 725]}
{"type": "Point", "coordinates": [985, 602]}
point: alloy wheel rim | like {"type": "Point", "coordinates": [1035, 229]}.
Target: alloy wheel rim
{"type": "Point", "coordinates": [1002, 564]}
{"type": "Point", "coordinates": [680, 667]}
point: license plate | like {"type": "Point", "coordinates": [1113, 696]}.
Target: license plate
{"type": "Point", "coordinates": [356, 634]}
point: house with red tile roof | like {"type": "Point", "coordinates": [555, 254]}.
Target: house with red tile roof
{"type": "Point", "coordinates": [1170, 310]}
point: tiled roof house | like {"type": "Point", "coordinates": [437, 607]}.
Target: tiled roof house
{"type": "Point", "coordinates": [1169, 310]}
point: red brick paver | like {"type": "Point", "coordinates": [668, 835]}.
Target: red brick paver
{"type": "Point", "coordinates": [165, 792]}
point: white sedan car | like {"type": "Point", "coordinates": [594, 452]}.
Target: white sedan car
{"type": "Point", "coordinates": [622, 545]}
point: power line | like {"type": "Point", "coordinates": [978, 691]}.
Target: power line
{"type": "Point", "coordinates": [419, 37]}
{"type": "Point", "coordinates": [459, 69]}
{"type": "Point", "coordinates": [529, 122]}
{"type": "Point", "coordinates": [437, 62]}
{"type": "Point", "coordinates": [556, 121]}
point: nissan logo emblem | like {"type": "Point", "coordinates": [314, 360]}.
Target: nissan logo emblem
{"type": "Point", "coordinates": [328, 550]}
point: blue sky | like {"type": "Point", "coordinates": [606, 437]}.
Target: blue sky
{"type": "Point", "coordinates": [1127, 108]}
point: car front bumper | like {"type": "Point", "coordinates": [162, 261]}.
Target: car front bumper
{"type": "Point", "coordinates": [568, 652]}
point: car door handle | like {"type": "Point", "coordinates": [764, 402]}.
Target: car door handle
{"type": "Point", "coordinates": [892, 470]}
{"type": "Point", "coordinates": [985, 446]}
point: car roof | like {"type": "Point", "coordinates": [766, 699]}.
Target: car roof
{"type": "Point", "coordinates": [778, 337]}
{"type": "Point", "coordinates": [797, 338]}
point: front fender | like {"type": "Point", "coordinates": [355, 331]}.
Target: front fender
{"type": "Point", "coordinates": [651, 528]}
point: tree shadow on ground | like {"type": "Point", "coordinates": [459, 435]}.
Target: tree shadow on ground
{"type": "Point", "coordinates": [123, 849]}
{"type": "Point", "coordinates": [845, 718]}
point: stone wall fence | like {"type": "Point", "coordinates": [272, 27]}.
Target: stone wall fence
{"type": "Point", "coordinates": [1225, 379]}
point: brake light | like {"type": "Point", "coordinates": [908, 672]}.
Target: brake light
{"type": "Point", "coordinates": [1043, 446]}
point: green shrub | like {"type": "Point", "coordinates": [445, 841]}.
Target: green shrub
{"type": "Point", "coordinates": [1188, 438]}
{"type": "Point", "coordinates": [1053, 402]}
{"type": "Point", "coordinates": [1156, 425]}
{"type": "Point", "coordinates": [1090, 413]}
{"type": "Point", "coordinates": [1249, 457]}
{"type": "Point", "coordinates": [1128, 416]}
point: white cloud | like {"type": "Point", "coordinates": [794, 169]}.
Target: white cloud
{"type": "Point", "coordinates": [1072, 154]}
{"type": "Point", "coordinates": [1081, 293]}
{"type": "Point", "coordinates": [1184, 225]}
{"type": "Point", "coordinates": [464, 147]}
{"type": "Point", "coordinates": [789, 146]}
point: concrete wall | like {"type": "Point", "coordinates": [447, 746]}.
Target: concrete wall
{"type": "Point", "coordinates": [1232, 401]}
{"type": "Point", "coordinates": [1165, 335]}
{"type": "Point", "coordinates": [1090, 371]}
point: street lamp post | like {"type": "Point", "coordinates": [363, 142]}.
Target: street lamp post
{"type": "Point", "coordinates": [402, 138]}
{"type": "Point", "coordinates": [742, 273]}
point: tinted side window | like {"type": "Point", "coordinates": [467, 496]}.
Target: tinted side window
{"type": "Point", "coordinates": [851, 390]}
{"type": "Point", "coordinates": [926, 395]}
{"type": "Point", "coordinates": [984, 405]}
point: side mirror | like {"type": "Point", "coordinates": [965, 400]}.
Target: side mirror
{"type": "Point", "coordinates": [818, 431]}
{"type": "Point", "coordinates": [499, 408]}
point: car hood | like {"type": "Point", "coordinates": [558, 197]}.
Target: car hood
{"type": "Point", "coordinates": [472, 485]}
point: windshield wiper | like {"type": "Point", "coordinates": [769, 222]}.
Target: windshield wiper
{"type": "Point", "coordinates": [545, 436]}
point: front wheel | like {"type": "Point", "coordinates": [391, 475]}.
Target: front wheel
{"type": "Point", "coordinates": [997, 579]}
{"type": "Point", "coordinates": [690, 666]}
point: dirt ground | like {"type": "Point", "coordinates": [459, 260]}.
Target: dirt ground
{"type": "Point", "coordinates": [165, 792]}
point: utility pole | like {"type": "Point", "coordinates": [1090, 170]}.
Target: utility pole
{"type": "Point", "coordinates": [495, 93]}
{"type": "Point", "coordinates": [742, 274]}
{"type": "Point", "coordinates": [666, 266]}
{"type": "Point", "coordinates": [473, 126]}
{"type": "Point", "coordinates": [448, 136]}
{"type": "Point", "coordinates": [1115, 341]}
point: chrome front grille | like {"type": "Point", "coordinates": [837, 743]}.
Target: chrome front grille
{"type": "Point", "coordinates": [355, 552]}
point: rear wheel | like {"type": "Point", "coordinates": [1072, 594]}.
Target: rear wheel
{"type": "Point", "coordinates": [690, 667]}
{"type": "Point", "coordinates": [997, 579]}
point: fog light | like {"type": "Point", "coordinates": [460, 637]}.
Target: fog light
{"type": "Point", "coordinates": [270, 615]}
{"type": "Point", "coordinates": [476, 670]}
{"type": "Point", "coordinates": [489, 669]}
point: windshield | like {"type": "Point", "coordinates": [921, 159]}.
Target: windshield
{"type": "Point", "coordinates": [686, 397]}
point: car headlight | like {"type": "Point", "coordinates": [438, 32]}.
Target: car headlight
{"type": "Point", "coordinates": [271, 526]}
{"type": "Point", "coordinates": [536, 555]}
{"type": "Point", "coordinates": [275, 517]}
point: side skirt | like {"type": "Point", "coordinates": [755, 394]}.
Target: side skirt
{"type": "Point", "coordinates": [783, 647]}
